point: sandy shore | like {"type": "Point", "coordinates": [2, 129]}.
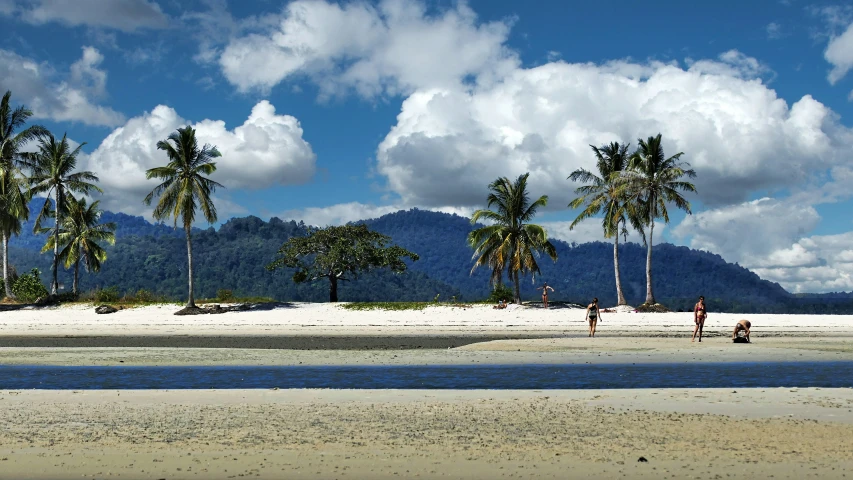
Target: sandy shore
{"type": "Point", "coordinates": [330, 320]}
{"type": "Point", "coordinates": [785, 433]}
{"type": "Point", "coordinates": [319, 434]}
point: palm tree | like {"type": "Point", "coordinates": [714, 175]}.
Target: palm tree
{"type": "Point", "coordinates": [510, 241]}
{"type": "Point", "coordinates": [603, 192]}
{"type": "Point", "coordinates": [13, 199]}
{"type": "Point", "coordinates": [80, 236]}
{"type": "Point", "coordinates": [652, 181]}
{"type": "Point", "coordinates": [184, 187]}
{"type": "Point", "coordinates": [52, 171]}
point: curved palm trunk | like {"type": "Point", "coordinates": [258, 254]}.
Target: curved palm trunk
{"type": "Point", "coordinates": [54, 286]}
{"type": "Point", "coordinates": [333, 288]}
{"type": "Point", "coordinates": [6, 278]}
{"type": "Point", "coordinates": [517, 287]}
{"type": "Point", "coordinates": [620, 297]}
{"type": "Point", "coordinates": [650, 297]}
{"type": "Point", "coordinates": [191, 298]}
{"type": "Point", "coordinates": [76, 276]}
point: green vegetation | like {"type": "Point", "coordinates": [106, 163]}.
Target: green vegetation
{"type": "Point", "coordinates": [652, 181]}
{"type": "Point", "coordinates": [79, 238]}
{"type": "Point", "coordinates": [52, 170]}
{"type": "Point", "coordinates": [511, 242]}
{"type": "Point", "coordinates": [603, 193]}
{"type": "Point", "coordinates": [332, 252]}
{"type": "Point", "coordinates": [13, 184]}
{"type": "Point", "coordinates": [184, 187]}
{"type": "Point", "coordinates": [387, 305]}
{"type": "Point", "coordinates": [28, 287]}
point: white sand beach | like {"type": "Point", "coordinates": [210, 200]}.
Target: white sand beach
{"type": "Point", "coordinates": [683, 433]}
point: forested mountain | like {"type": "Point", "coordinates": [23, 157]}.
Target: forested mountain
{"type": "Point", "coordinates": [153, 257]}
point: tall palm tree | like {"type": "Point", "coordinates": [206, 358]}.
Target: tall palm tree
{"type": "Point", "coordinates": [79, 238]}
{"type": "Point", "coordinates": [653, 180]}
{"type": "Point", "coordinates": [604, 193]}
{"type": "Point", "coordinates": [184, 186]}
{"type": "Point", "coordinates": [13, 199]}
{"type": "Point", "coordinates": [52, 171]}
{"type": "Point", "coordinates": [510, 241]}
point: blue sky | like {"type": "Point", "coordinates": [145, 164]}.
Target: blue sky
{"type": "Point", "coordinates": [335, 111]}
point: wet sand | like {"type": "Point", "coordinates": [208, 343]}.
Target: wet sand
{"type": "Point", "coordinates": [319, 434]}
{"type": "Point", "coordinates": [787, 433]}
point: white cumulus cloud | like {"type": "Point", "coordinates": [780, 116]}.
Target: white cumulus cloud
{"type": "Point", "coordinates": [839, 54]}
{"type": "Point", "coordinates": [126, 15]}
{"type": "Point", "coordinates": [266, 150]}
{"type": "Point", "coordinates": [393, 47]}
{"type": "Point", "coordinates": [62, 97]}
{"type": "Point", "coordinates": [449, 143]}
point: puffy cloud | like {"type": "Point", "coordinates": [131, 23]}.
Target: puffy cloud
{"type": "Point", "coordinates": [839, 54]}
{"type": "Point", "coordinates": [449, 143]}
{"type": "Point", "coordinates": [393, 47]}
{"type": "Point", "coordinates": [820, 263]}
{"type": "Point", "coordinates": [126, 15]}
{"type": "Point", "coordinates": [749, 232]}
{"type": "Point", "coordinates": [774, 31]}
{"type": "Point", "coordinates": [71, 99]}
{"type": "Point", "coordinates": [771, 237]}
{"type": "Point", "coordinates": [266, 150]}
{"type": "Point", "coordinates": [343, 213]}
{"type": "Point", "coordinates": [590, 231]}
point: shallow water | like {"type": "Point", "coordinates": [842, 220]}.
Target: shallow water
{"type": "Point", "coordinates": [539, 377]}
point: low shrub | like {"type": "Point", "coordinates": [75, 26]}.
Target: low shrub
{"type": "Point", "coordinates": [224, 295]}
{"type": "Point", "coordinates": [145, 296]}
{"type": "Point", "coordinates": [28, 287]}
{"type": "Point", "coordinates": [107, 295]}
{"type": "Point", "coordinates": [501, 292]}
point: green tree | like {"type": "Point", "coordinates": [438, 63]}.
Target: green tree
{"type": "Point", "coordinates": [510, 241]}
{"type": "Point", "coordinates": [604, 193]}
{"type": "Point", "coordinates": [185, 187]}
{"type": "Point", "coordinates": [13, 198]}
{"type": "Point", "coordinates": [652, 181]}
{"type": "Point", "coordinates": [52, 171]}
{"type": "Point", "coordinates": [333, 252]}
{"type": "Point", "coordinates": [80, 236]}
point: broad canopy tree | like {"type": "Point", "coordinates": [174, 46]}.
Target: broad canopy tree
{"type": "Point", "coordinates": [339, 253]}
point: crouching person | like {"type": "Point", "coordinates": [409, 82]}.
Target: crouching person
{"type": "Point", "coordinates": [742, 326]}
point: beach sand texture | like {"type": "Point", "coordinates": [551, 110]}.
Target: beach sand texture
{"type": "Point", "coordinates": [319, 434]}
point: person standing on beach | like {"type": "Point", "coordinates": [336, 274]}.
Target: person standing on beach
{"type": "Point", "coordinates": [593, 314]}
{"type": "Point", "coordinates": [699, 315]}
{"type": "Point", "coordinates": [545, 289]}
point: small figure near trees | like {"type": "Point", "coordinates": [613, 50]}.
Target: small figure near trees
{"type": "Point", "coordinates": [545, 289]}
{"type": "Point", "coordinates": [337, 251]}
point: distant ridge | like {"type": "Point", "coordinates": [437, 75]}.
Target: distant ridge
{"type": "Point", "coordinates": [153, 257]}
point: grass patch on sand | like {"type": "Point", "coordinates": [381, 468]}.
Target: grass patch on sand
{"type": "Point", "coordinates": [394, 306]}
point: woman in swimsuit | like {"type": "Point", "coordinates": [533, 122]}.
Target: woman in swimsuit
{"type": "Point", "coordinates": [699, 315]}
{"type": "Point", "coordinates": [593, 314]}
{"type": "Point", "coordinates": [545, 289]}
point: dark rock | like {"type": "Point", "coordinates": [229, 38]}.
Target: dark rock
{"type": "Point", "coordinates": [642, 459]}
{"type": "Point", "coordinates": [192, 311]}
{"type": "Point", "coordinates": [740, 340]}
{"type": "Point", "coordinates": [102, 309]}
{"type": "Point", "coordinates": [656, 308]}
{"type": "Point", "coordinates": [48, 300]}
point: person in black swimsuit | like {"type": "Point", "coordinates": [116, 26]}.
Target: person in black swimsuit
{"type": "Point", "coordinates": [699, 315]}
{"type": "Point", "coordinates": [545, 289]}
{"type": "Point", "coordinates": [593, 314]}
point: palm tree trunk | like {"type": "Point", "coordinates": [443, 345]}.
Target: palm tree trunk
{"type": "Point", "coordinates": [517, 287]}
{"type": "Point", "coordinates": [76, 276]}
{"type": "Point", "coordinates": [190, 298]}
{"type": "Point", "coordinates": [333, 288]}
{"type": "Point", "coordinates": [54, 286]}
{"type": "Point", "coordinates": [650, 297]}
{"type": "Point", "coordinates": [6, 279]}
{"type": "Point", "coordinates": [620, 297]}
